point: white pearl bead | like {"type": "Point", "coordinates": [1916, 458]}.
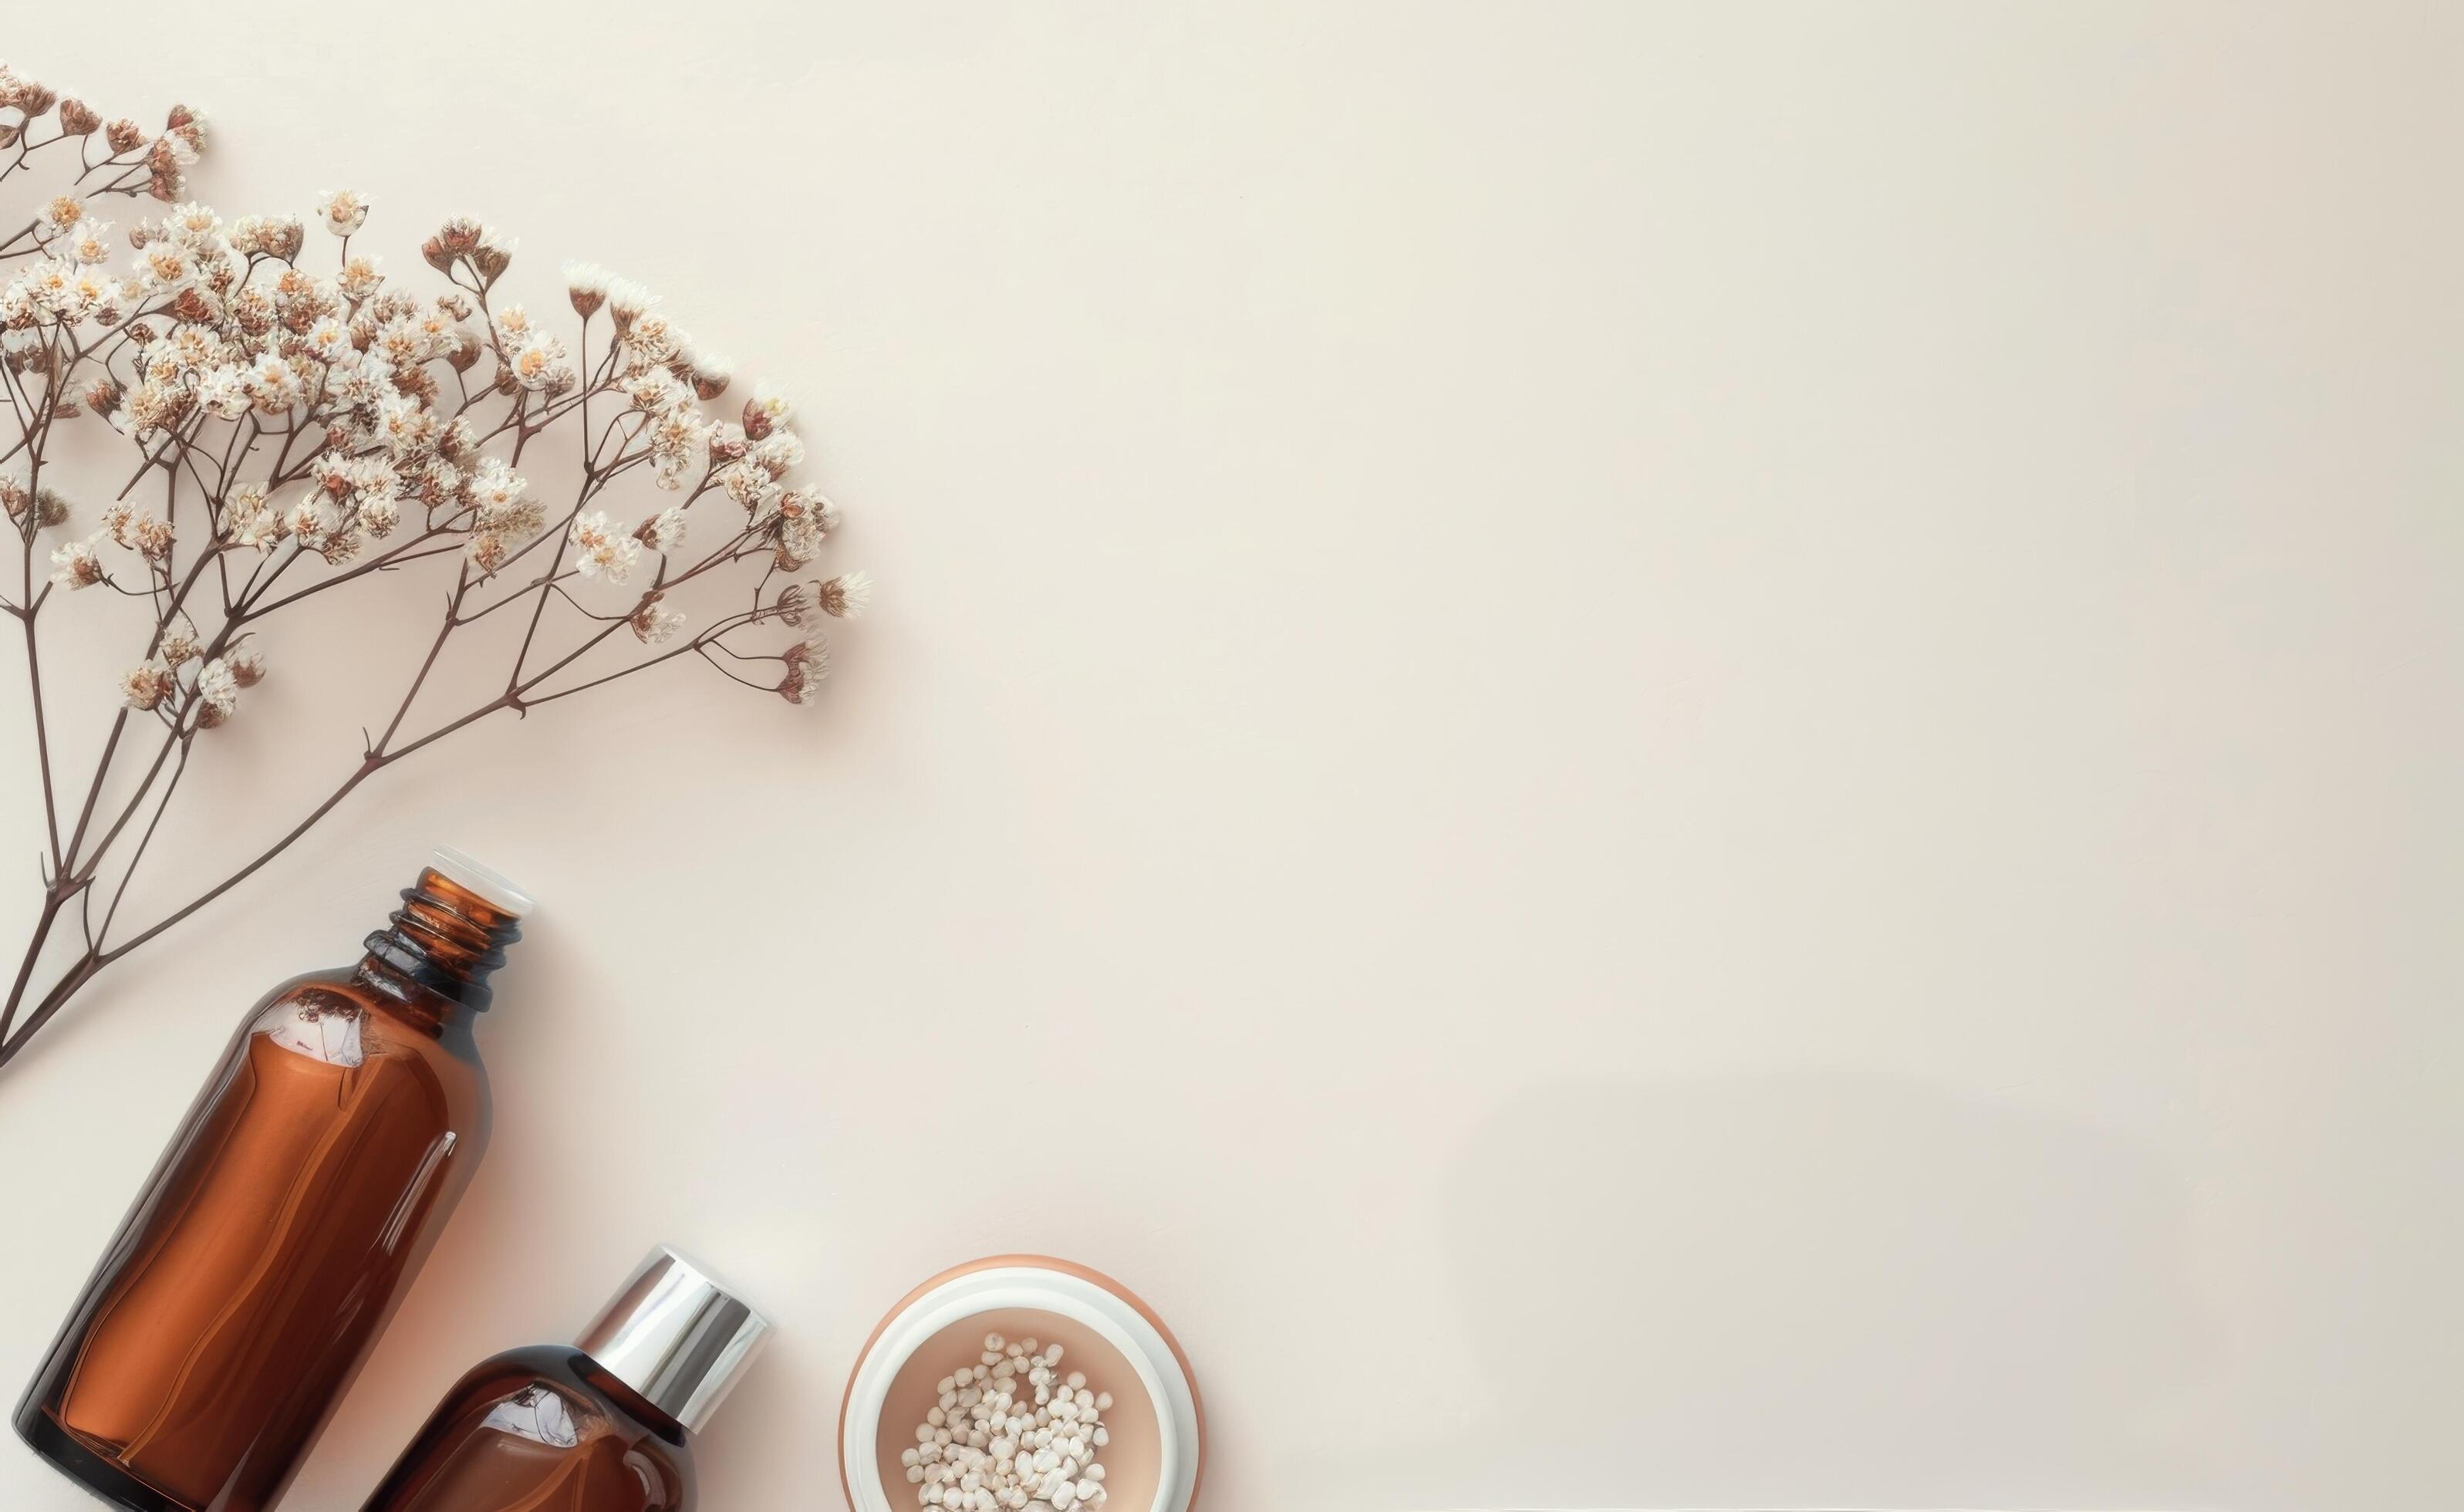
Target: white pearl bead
{"type": "Point", "coordinates": [985, 1448]}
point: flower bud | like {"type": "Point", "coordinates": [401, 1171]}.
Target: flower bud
{"type": "Point", "coordinates": [455, 240]}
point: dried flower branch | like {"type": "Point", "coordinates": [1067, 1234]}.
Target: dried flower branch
{"type": "Point", "coordinates": [296, 432]}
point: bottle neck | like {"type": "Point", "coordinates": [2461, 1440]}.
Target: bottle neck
{"type": "Point", "coordinates": [440, 946]}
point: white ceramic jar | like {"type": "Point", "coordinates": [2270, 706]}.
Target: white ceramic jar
{"type": "Point", "coordinates": [1155, 1423]}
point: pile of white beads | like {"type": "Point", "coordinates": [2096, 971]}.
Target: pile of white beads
{"type": "Point", "coordinates": [988, 1448]}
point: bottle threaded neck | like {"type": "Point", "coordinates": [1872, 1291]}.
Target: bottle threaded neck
{"type": "Point", "coordinates": [446, 937]}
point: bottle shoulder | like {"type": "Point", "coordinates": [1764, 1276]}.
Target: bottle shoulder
{"type": "Point", "coordinates": [335, 1050]}
{"type": "Point", "coordinates": [556, 1400]}
{"type": "Point", "coordinates": [339, 1017]}
{"type": "Point", "coordinates": [568, 1368]}
{"type": "Point", "coordinates": [537, 1426]}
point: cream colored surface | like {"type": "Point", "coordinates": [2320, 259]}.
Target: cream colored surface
{"type": "Point", "coordinates": [1754, 705]}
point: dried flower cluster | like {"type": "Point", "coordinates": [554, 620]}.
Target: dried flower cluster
{"type": "Point", "coordinates": [296, 429]}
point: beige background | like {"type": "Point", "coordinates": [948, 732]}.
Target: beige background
{"type": "Point", "coordinates": [1716, 746]}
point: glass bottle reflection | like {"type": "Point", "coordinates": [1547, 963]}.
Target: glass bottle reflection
{"type": "Point", "coordinates": [542, 1430]}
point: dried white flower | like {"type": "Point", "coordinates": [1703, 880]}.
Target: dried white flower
{"type": "Point", "coordinates": [809, 663]}
{"type": "Point", "coordinates": [495, 485]}
{"type": "Point", "coordinates": [224, 391]}
{"type": "Point", "coordinates": [628, 302]}
{"type": "Point", "coordinates": [312, 519]}
{"type": "Point", "coordinates": [710, 372]}
{"type": "Point", "coordinates": [75, 563]}
{"type": "Point", "coordinates": [360, 277]}
{"type": "Point", "coordinates": [606, 551]}
{"type": "Point", "coordinates": [217, 693]}
{"type": "Point", "coordinates": [88, 241]}
{"type": "Point", "coordinates": [538, 362]}
{"type": "Point", "coordinates": [268, 236]}
{"type": "Point", "coordinates": [249, 521]}
{"type": "Point", "coordinates": [196, 225]}
{"type": "Point", "coordinates": [747, 485]}
{"type": "Point", "coordinates": [766, 412]}
{"type": "Point", "coordinates": [146, 685]}
{"type": "Point", "coordinates": [162, 267]}
{"type": "Point", "coordinates": [586, 286]}
{"type": "Point", "coordinates": [650, 339]}
{"type": "Point", "coordinates": [845, 596]}
{"type": "Point", "coordinates": [779, 453]}
{"type": "Point", "coordinates": [342, 210]}
{"type": "Point", "coordinates": [654, 622]}
{"type": "Point", "coordinates": [664, 531]}
{"type": "Point", "coordinates": [273, 387]}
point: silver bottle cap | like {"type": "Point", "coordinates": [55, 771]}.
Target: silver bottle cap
{"type": "Point", "coordinates": [677, 1336]}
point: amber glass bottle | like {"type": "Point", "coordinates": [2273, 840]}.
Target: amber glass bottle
{"type": "Point", "coordinates": [604, 1425]}
{"type": "Point", "coordinates": [285, 1221]}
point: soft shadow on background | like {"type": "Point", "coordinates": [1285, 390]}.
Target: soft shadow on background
{"type": "Point", "coordinates": [1802, 1288]}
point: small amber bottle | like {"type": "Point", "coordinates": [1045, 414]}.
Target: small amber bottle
{"type": "Point", "coordinates": [601, 1425]}
{"type": "Point", "coordinates": [268, 1248]}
